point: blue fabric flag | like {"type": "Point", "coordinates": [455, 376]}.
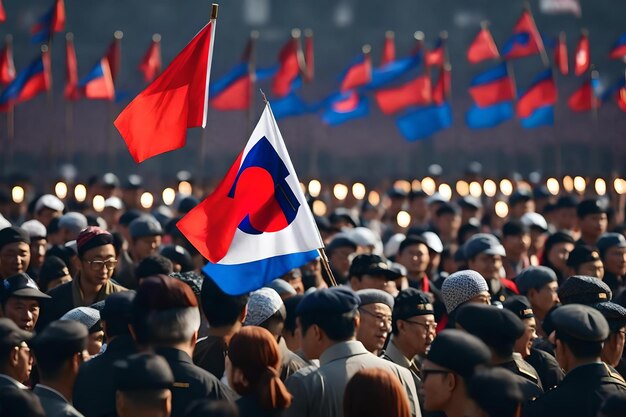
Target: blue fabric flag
{"type": "Point", "coordinates": [543, 116]}
{"type": "Point", "coordinates": [481, 118]}
{"type": "Point", "coordinates": [492, 74]}
{"type": "Point", "coordinates": [344, 107]}
{"type": "Point", "coordinates": [289, 106]}
{"type": "Point", "coordinates": [384, 75]}
{"type": "Point", "coordinates": [423, 122]}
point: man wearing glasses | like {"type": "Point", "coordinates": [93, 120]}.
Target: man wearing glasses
{"type": "Point", "coordinates": [375, 310]}
{"type": "Point", "coordinates": [93, 283]}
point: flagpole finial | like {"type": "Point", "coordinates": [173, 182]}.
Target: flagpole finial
{"type": "Point", "coordinates": [526, 6]}
{"type": "Point", "coordinates": [214, 8]}
{"type": "Point", "coordinates": [8, 38]}
{"type": "Point", "coordinates": [69, 36]}
{"type": "Point", "coordinates": [443, 34]}
{"type": "Point", "coordinates": [44, 48]}
{"type": "Point", "coordinates": [118, 34]}
{"type": "Point", "coordinates": [308, 33]}
{"type": "Point", "coordinates": [419, 35]}
{"type": "Point", "coordinates": [390, 34]}
{"type": "Point", "coordinates": [264, 97]}
{"type": "Point", "coordinates": [366, 49]}
{"type": "Point", "coordinates": [484, 24]}
{"type": "Point", "coordinates": [156, 37]}
{"type": "Point", "coordinates": [584, 32]}
{"type": "Point", "coordinates": [254, 34]}
{"type": "Point", "coordinates": [296, 33]}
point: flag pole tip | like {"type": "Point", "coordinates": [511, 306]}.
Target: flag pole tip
{"type": "Point", "coordinates": [214, 8]}
{"type": "Point", "coordinates": [8, 38]}
{"type": "Point", "coordinates": [584, 31]}
{"type": "Point", "coordinates": [156, 37]}
{"type": "Point", "coordinates": [308, 33]}
{"type": "Point", "coordinates": [118, 34]}
{"type": "Point", "coordinates": [390, 34]}
{"type": "Point", "coordinates": [264, 97]}
{"type": "Point", "coordinates": [443, 34]}
{"type": "Point", "coordinates": [366, 49]}
{"type": "Point", "coordinates": [254, 34]}
{"type": "Point", "coordinates": [44, 48]}
{"type": "Point", "coordinates": [484, 24]}
{"type": "Point", "coordinates": [419, 35]}
{"type": "Point", "coordinates": [295, 33]}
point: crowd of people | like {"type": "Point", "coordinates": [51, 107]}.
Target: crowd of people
{"type": "Point", "coordinates": [108, 313]}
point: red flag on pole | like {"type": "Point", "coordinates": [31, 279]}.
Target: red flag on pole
{"type": "Point", "coordinates": [483, 47]}
{"type": "Point", "coordinates": [560, 55]}
{"type": "Point", "coordinates": [436, 57]}
{"type": "Point", "coordinates": [7, 67]}
{"type": "Point", "coordinates": [290, 67]}
{"type": "Point", "coordinates": [525, 40]}
{"type": "Point", "coordinates": [114, 54]}
{"type": "Point", "coordinates": [156, 121]}
{"type": "Point", "coordinates": [582, 60]}
{"type": "Point", "coordinates": [443, 88]}
{"type": "Point", "coordinates": [3, 15]}
{"type": "Point", "coordinates": [389, 48]}
{"type": "Point", "coordinates": [309, 59]}
{"type": "Point", "coordinates": [150, 65]}
{"type": "Point", "coordinates": [583, 99]}
{"type": "Point", "coordinates": [416, 92]}
{"type": "Point", "coordinates": [71, 69]}
{"type": "Point", "coordinates": [621, 99]}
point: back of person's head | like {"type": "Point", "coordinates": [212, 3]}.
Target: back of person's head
{"type": "Point", "coordinates": [15, 402]}
{"type": "Point", "coordinates": [496, 392]}
{"type": "Point", "coordinates": [117, 313]}
{"type": "Point", "coordinates": [221, 309]}
{"type": "Point", "coordinates": [291, 304]}
{"type": "Point", "coordinates": [254, 351]}
{"type": "Point", "coordinates": [57, 344]}
{"type": "Point", "coordinates": [211, 408]}
{"type": "Point", "coordinates": [153, 265]}
{"type": "Point", "coordinates": [581, 328]}
{"type": "Point", "coordinates": [165, 312]}
{"type": "Point", "coordinates": [373, 393]}
{"type": "Point", "coordinates": [334, 310]}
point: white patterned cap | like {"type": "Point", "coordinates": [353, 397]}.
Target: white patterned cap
{"type": "Point", "coordinates": [462, 286]}
{"type": "Point", "coordinates": [262, 305]}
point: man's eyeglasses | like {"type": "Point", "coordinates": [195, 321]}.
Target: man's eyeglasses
{"type": "Point", "coordinates": [108, 264]}
{"type": "Point", "coordinates": [431, 327]}
{"type": "Point", "coordinates": [379, 317]}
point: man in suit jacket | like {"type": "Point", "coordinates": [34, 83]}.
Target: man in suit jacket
{"type": "Point", "coordinates": [60, 349]}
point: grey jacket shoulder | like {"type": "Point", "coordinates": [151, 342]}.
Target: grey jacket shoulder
{"type": "Point", "coordinates": [53, 405]}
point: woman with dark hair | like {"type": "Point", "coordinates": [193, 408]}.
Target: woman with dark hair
{"type": "Point", "coordinates": [375, 392]}
{"type": "Point", "coordinates": [252, 369]}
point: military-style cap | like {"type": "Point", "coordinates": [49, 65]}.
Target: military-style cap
{"type": "Point", "coordinates": [520, 195]}
{"type": "Point", "coordinates": [92, 237]}
{"type": "Point", "coordinates": [373, 296]}
{"type": "Point", "coordinates": [614, 314]}
{"type": "Point", "coordinates": [35, 229]}
{"type": "Point", "coordinates": [459, 352]}
{"type": "Point", "coordinates": [60, 338]}
{"type": "Point", "coordinates": [411, 302]}
{"type": "Point", "coordinates": [368, 264]}
{"type": "Point", "coordinates": [142, 372]}
{"type": "Point", "coordinates": [490, 323]}
{"type": "Point", "coordinates": [470, 202]}
{"type": "Point", "coordinates": [580, 322]}
{"type": "Point", "coordinates": [535, 221]}
{"type": "Point", "coordinates": [610, 240]}
{"type": "Point", "coordinates": [496, 391]}
{"type": "Point", "coordinates": [520, 306]}
{"type": "Point", "coordinates": [13, 234]}
{"type": "Point", "coordinates": [15, 402]}
{"type": "Point", "coordinates": [591, 206]}
{"type": "Point", "coordinates": [410, 241]}
{"type": "Point", "coordinates": [118, 306]}
{"type": "Point", "coordinates": [581, 289]}
{"type": "Point", "coordinates": [335, 300]}
{"type": "Point", "coordinates": [461, 287]}
{"type": "Point", "coordinates": [145, 226]}
{"type": "Point", "coordinates": [613, 406]}
{"type": "Point", "coordinates": [534, 277]}
{"type": "Point", "coordinates": [21, 285]}
{"type": "Point", "coordinates": [262, 305]}
{"type": "Point", "coordinates": [567, 201]}
{"type": "Point", "coordinates": [340, 242]}
{"type": "Point", "coordinates": [582, 254]}
{"type": "Point", "coordinates": [11, 335]}
{"type": "Point", "coordinates": [483, 243]}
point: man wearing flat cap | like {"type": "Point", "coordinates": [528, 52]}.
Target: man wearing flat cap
{"type": "Point", "coordinates": [612, 248]}
{"type": "Point", "coordinates": [144, 384]}
{"type": "Point", "coordinates": [375, 310]}
{"type": "Point", "coordinates": [94, 390]}
{"type": "Point", "coordinates": [339, 251]}
{"type": "Point", "coordinates": [580, 333]}
{"type": "Point", "coordinates": [15, 359]}
{"type": "Point", "coordinates": [93, 282]}
{"type": "Point", "coordinates": [592, 220]}
{"type": "Point", "coordinates": [59, 349]}
{"type": "Point", "coordinates": [585, 260]}
{"type": "Point", "coordinates": [14, 251]}
{"type": "Point", "coordinates": [21, 300]}
{"type": "Point", "coordinates": [539, 285]}
{"type": "Point", "coordinates": [329, 320]}
{"type": "Point", "coordinates": [450, 363]}
{"type": "Point", "coordinates": [371, 271]}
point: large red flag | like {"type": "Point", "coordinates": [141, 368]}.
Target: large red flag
{"type": "Point", "coordinates": [114, 54]}
{"type": "Point", "coordinates": [309, 60]}
{"type": "Point", "coordinates": [150, 65]}
{"type": "Point", "coordinates": [416, 92]}
{"type": "Point", "coordinates": [7, 67]}
{"type": "Point", "coordinates": [483, 47]}
{"type": "Point", "coordinates": [389, 49]}
{"type": "Point", "coordinates": [582, 58]}
{"type": "Point", "coordinates": [71, 69]}
{"type": "Point", "coordinates": [583, 99]}
{"type": "Point", "coordinates": [560, 54]}
{"type": "Point", "coordinates": [156, 121]}
{"type": "Point", "coordinates": [3, 15]}
{"type": "Point", "coordinates": [289, 59]}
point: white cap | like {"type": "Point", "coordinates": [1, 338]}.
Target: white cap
{"type": "Point", "coordinates": [535, 220]}
{"type": "Point", "coordinates": [35, 229]}
{"type": "Point", "coordinates": [393, 244]}
{"type": "Point", "coordinates": [433, 241]}
{"type": "Point", "coordinates": [49, 201]}
{"type": "Point", "coordinates": [437, 198]}
{"type": "Point", "coordinates": [363, 236]}
{"type": "Point", "coordinates": [114, 202]}
{"type": "Point", "coordinates": [4, 223]}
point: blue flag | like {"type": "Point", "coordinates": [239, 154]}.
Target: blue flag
{"type": "Point", "coordinates": [543, 116]}
{"type": "Point", "coordinates": [423, 122]}
{"type": "Point", "coordinates": [289, 106]}
{"type": "Point", "coordinates": [481, 118]}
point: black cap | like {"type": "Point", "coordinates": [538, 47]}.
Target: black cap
{"type": "Point", "coordinates": [558, 237]}
{"type": "Point", "coordinates": [129, 216]}
{"type": "Point", "coordinates": [52, 268]}
{"type": "Point", "coordinates": [11, 335]}
{"type": "Point", "coordinates": [15, 402]}
{"type": "Point", "coordinates": [133, 182]}
{"type": "Point", "coordinates": [410, 303]}
{"type": "Point", "coordinates": [186, 204]}
{"type": "Point", "coordinates": [515, 228]}
{"type": "Point", "coordinates": [179, 255]}
{"type": "Point", "coordinates": [520, 195]}
{"type": "Point", "coordinates": [610, 240]}
{"type": "Point", "coordinates": [520, 306]}
{"type": "Point", "coordinates": [496, 391]}
{"type": "Point", "coordinates": [483, 243]}
{"type": "Point", "coordinates": [591, 206]}
{"type": "Point", "coordinates": [118, 306]}
{"type": "Point", "coordinates": [581, 289]}
{"type": "Point", "coordinates": [144, 226]}
{"type": "Point", "coordinates": [21, 285]}
{"type": "Point", "coordinates": [343, 214]}
{"type": "Point", "coordinates": [142, 371]}
{"type": "Point", "coordinates": [614, 314]}
{"type": "Point", "coordinates": [110, 180]}
{"type": "Point", "coordinates": [60, 338]}
{"type": "Point", "coordinates": [396, 192]}
{"type": "Point", "coordinates": [581, 323]}
{"type": "Point", "coordinates": [447, 208]}
{"type": "Point", "coordinates": [614, 405]}
{"type": "Point", "coordinates": [368, 264]}
{"type": "Point", "coordinates": [489, 323]}
{"type": "Point", "coordinates": [582, 254]}
{"type": "Point", "coordinates": [459, 352]}
{"type": "Point", "coordinates": [410, 241]}
{"type": "Point", "coordinates": [13, 234]}
{"type": "Point", "coordinates": [340, 242]}
{"type": "Point", "coordinates": [567, 201]}
{"type": "Point", "coordinates": [534, 277]}
{"type": "Point", "coordinates": [541, 191]}
{"type": "Point", "coordinates": [335, 300]}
